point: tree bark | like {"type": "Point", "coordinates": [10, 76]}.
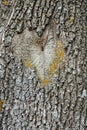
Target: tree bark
{"type": "Point", "coordinates": [61, 104]}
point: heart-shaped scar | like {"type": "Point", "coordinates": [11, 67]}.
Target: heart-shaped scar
{"type": "Point", "coordinates": [46, 54]}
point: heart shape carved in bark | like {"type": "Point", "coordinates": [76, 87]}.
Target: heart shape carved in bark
{"type": "Point", "coordinates": [46, 54]}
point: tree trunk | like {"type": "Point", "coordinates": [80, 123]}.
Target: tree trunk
{"type": "Point", "coordinates": [29, 102]}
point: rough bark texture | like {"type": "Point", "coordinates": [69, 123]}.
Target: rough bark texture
{"type": "Point", "coordinates": [62, 104]}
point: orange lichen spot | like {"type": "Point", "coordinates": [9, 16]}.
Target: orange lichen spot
{"type": "Point", "coordinates": [0, 108]}
{"type": "Point", "coordinates": [60, 51]}
{"type": "Point", "coordinates": [59, 44]}
{"type": "Point", "coordinates": [59, 58]}
{"type": "Point", "coordinates": [52, 69]}
{"type": "Point", "coordinates": [28, 63]}
{"type": "Point", "coordinates": [60, 54]}
{"type": "Point", "coordinates": [45, 82]}
{"type": "Point", "coordinates": [1, 104]}
{"type": "Point", "coordinates": [5, 2]}
{"type": "Point", "coordinates": [72, 19]}
{"type": "Point", "coordinates": [55, 62]}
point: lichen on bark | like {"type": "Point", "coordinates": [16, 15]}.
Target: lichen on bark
{"type": "Point", "coordinates": [61, 105]}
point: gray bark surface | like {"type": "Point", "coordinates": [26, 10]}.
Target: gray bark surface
{"type": "Point", "coordinates": [61, 105]}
